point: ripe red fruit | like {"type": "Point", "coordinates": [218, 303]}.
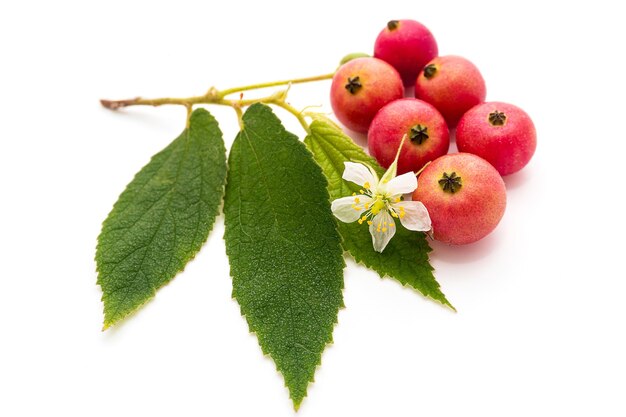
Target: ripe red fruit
{"type": "Point", "coordinates": [408, 46]}
{"type": "Point", "coordinates": [501, 133]}
{"type": "Point", "coordinates": [452, 84]}
{"type": "Point", "coordinates": [465, 197]}
{"type": "Point", "coordinates": [427, 134]}
{"type": "Point", "coordinates": [360, 88]}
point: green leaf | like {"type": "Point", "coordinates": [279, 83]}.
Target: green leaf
{"type": "Point", "coordinates": [406, 255]}
{"type": "Point", "coordinates": [162, 218]}
{"type": "Point", "coordinates": [284, 250]}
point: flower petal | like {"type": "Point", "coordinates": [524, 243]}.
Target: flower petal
{"type": "Point", "coordinates": [360, 174]}
{"type": "Point", "coordinates": [382, 230]}
{"type": "Point", "coordinates": [402, 184]}
{"type": "Point", "coordinates": [415, 215]}
{"type": "Point", "coordinates": [347, 209]}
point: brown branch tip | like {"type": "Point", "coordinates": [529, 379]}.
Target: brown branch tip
{"type": "Point", "coordinates": [116, 104]}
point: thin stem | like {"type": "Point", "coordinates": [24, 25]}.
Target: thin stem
{"type": "Point", "coordinates": [214, 96]}
{"type": "Point", "coordinates": [295, 112]}
{"type": "Point", "coordinates": [239, 116]}
{"type": "Point", "coordinates": [228, 91]}
{"type": "Point", "coordinates": [422, 168]}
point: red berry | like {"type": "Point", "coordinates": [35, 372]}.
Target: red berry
{"type": "Point", "coordinates": [465, 197]}
{"type": "Point", "coordinates": [427, 134]}
{"type": "Point", "coordinates": [408, 46]}
{"type": "Point", "coordinates": [501, 133]}
{"type": "Point", "coordinates": [452, 84]}
{"type": "Point", "coordinates": [360, 88]}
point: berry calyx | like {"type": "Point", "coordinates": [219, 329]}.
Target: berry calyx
{"type": "Point", "coordinates": [430, 71]}
{"type": "Point", "coordinates": [450, 183]}
{"type": "Point", "coordinates": [353, 85]}
{"type": "Point", "coordinates": [393, 24]}
{"type": "Point", "coordinates": [418, 134]}
{"type": "Point", "coordinates": [497, 118]}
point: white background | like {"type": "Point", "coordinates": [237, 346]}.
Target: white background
{"type": "Point", "coordinates": [540, 323]}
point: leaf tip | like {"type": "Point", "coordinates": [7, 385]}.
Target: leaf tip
{"type": "Point", "coordinates": [296, 405]}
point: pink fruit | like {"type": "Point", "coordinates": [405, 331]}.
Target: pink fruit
{"type": "Point", "coordinates": [408, 46]}
{"type": "Point", "coordinates": [464, 195]}
{"type": "Point", "coordinates": [452, 84]}
{"type": "Point", "coordinates": [360, 88]}
{"type": "Point", "coordinates": [427, 134]}
{"type": "Point", "coordinates": [501, 133]}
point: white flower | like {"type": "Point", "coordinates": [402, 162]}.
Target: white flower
{"type": "Point", "coordinates": [380, 202]}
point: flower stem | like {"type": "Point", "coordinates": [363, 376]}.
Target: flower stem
{"type": "Point", "coordinates": [215, 96]}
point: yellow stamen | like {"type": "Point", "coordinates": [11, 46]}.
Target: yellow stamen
{"type": "Point", "coordinates": [366, 185]}
{"type": "Point", "coordinates": [392, 225]}
{"type": "Point", "coordinates": [384, 229]}
{"type": "Point", "coordinates": [378, 206]}
{"type": "Point", "coordinates": [369, 222]}
{"type": "Point", "coordinates": [367, 206]}
{"type": "Point", "coordinates": [398, 199]}
{"type": "Point", "coordinates": [356, 200]}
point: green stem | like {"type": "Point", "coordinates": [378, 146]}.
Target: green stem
{"type": "Point", "coordinates": [214, 96]}
{"type": "Point", "coordinates": [228, 91]}
{"type": "Point", "coordinates": [295, 112]}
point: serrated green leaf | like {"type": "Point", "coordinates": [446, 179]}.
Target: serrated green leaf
{"type": "Point", "coordinates": [162, 218]}
{"type": "Point", "coordinates": [284, 250]}
{"type": "Point", "coordinates": [406, 256]}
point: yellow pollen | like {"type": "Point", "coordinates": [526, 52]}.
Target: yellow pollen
{"type": "Point", "coordinates": [357, 208]}
{"type": "Point", "coordinates": [353, 194]}
{"type": "Point", "coordinates": [356, 200]}
{"type": "Point", "coordinates": [402, 214]}
{"type": "Point", "coordinates": [369, 222]}
{"type": "Point", "coordinates": [392, 225]}
{"type": "Point", "coordinates": [363, 218]}
{"type": "Point", "coordinates": [361, 191]}
{"type": "Point", "coordinates": [360, 221]}
{"type": "Point", "coordinates": [378, 206]}
{"type": "Point", "coordinates": [393, 213]}
{"type": "Point", "coordinates": [384, 229]}
{"type": "Point", "coordinates": [366, 185]}
{"type": "Point", "coordinates": [367, 206]}
{"type": "Point", "coordinates": [398, 199]}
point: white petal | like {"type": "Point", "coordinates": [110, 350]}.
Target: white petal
{"type": "Point", "coordinates": [347, 209]}
{"type": "Point", "coordinates": [359, 174]}
{"type": "Point", "coordinates": [415, 215]}
{"type": "Point", "coordinates": [402, 184]}
{"type": "Point", "coordinates": [382, 230]}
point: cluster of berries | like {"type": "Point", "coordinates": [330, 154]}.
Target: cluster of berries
{"type": "Point", "coordinates": [463, 192]}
